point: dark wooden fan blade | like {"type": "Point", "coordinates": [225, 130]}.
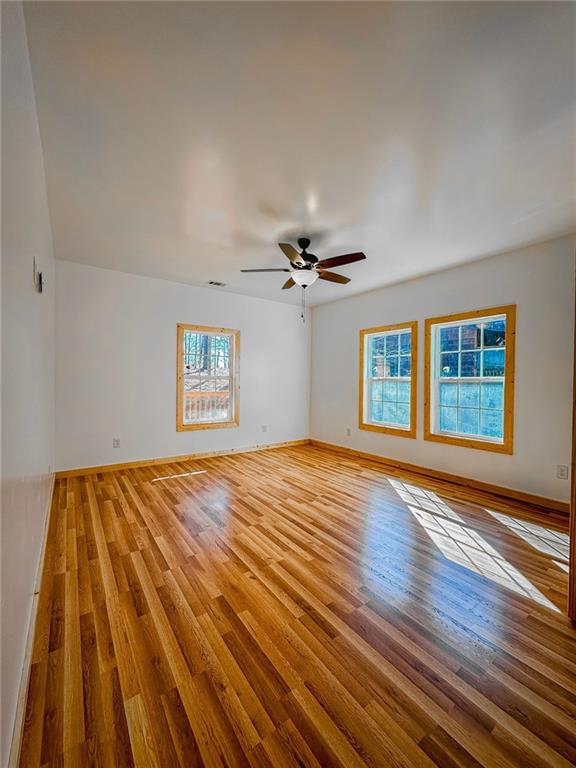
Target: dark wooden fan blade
{"type": "Point", "coordinates": [332, 277]}
{"type": "Point", "coordinates": [339, 261]}
{"type": "Point", "coordinates": [264, 270]}
{"type": "Point", "coordinates": [291, 253]}
{"type": "Point", "coordinates": [288, 284]}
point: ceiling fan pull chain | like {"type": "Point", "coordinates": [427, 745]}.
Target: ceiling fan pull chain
{"type": "Point", "coordinates": [303, 315]}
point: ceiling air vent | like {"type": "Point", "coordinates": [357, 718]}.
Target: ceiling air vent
{"type": "Point", "coordinates": [216, 283]}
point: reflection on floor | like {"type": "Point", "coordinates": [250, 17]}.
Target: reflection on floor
{"type": "Point", "coordinates": [462, 544]}
{"type": "Point", "coordinates": [297, 607]}
{"type": "Point", "coordinates": [180, 474]}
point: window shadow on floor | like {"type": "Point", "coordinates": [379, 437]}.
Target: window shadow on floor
{"type": "Point", "coordinates": [459, 541]}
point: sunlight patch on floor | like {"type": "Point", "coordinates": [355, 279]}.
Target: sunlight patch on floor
{"type": "Point", "coordinates": [545, 540]}
{"type": "Point", "coordinates": [461, 544]}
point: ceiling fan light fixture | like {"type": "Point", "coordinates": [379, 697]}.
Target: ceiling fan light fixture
{"type": "Point", "coordinates": [304, 277]}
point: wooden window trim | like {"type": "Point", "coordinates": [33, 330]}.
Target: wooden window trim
{"type": "Point", "coordinates": [507, 446]}
{"type": "Point", "coordinates": [235, 359]}
{"type": "Point", "coordinates": [572, 527]}
{"type": "Point", "coordinates": [388, 430]}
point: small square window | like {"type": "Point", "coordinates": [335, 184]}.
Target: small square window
{"type": "Point", "coordinates": [495, 333]}
{"type": "Point", "coordinates": [377, 390]}
{"type": "Point", "coordinates": [449, 364]}
{"type": "Point", "coordinates": [469, 395]}
{"type": "Point", "coordinates": [493, 362]}
{"type": "Point", "coordinates": [389, 412]}
{"type": "Point", "coordinates": [491, 424]}
{"type": "Point", "coordinates": [403, 414]}
{"type": "Point", "coordinates": [471, 336]}
{"type": "Point", "coordinates": [449, 339]}
{"type": "Point", "coordinates": [448, 419]}
{"type": "Point", "coordinates": [391, 345]}
{"type": "Point", "coordinates": [390, 391]}
{"type": "Point", "coordinates": [470, 364]}
{"type": "Point", "coordinates": [376, 410]}
{"type": "Point", "coordinates": [391, 367]}
{"type": "Point", "coordinates": [405, 366]}
{"type": "Point", "coordinates": [448, 394]}
{"type": "Point", "coordinates": [468, 421]}
{"type": "Point", "coordinates": [404, 391]}
{"type": "Point", "coordinates": [493, 395]}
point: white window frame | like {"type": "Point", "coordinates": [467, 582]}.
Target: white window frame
{"type": "Point", "coordinates": [366, 379]}
{"type": "Point", "coordinates": [434, 326]}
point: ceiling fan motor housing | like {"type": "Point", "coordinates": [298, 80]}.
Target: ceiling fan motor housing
{"type": "Point", "coordinates": [309, 258]}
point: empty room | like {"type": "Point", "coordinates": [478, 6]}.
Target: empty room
{"type": "Point", "coordinates": [287, 384]}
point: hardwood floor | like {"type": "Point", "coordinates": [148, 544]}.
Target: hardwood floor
{"type": "Point", "coordinates": [297, 607]}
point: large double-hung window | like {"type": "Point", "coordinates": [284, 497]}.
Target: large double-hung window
{"type": "Point", "coordinates": [388, 379]}
{"type": "Point", "coordinates": [470, 379]}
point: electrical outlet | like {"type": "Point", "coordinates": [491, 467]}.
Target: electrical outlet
{"type": "Point", "coordinates": [562, 471]}
{"type": "Point", "coordinates": [348, 432]}
{"type": "Point", "coordinates": [115, 442]}
{"type": "Point", "coordinates": [264, 427]}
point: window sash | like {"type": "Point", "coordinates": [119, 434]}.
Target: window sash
{"type": "Point", "coordinates": [368, 400]}
{"type": "Point", "coordinates": [369, 378]}
{"type": "Point", "coordinates": [207, 394]}
{"type": "Point", "coordinates": [438, 380]}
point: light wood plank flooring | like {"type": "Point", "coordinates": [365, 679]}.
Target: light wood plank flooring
{"type": "Point", "coordinates": [297, 607]}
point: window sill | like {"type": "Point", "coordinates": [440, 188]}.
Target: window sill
{"type": "Point", "coordinates": [481, 445]}
{"type": "Point", "coordinates": [397, 431]}
{"type": "Point", "coordinates": [207, 425]}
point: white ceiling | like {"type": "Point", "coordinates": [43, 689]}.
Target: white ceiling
{"type": "Point", "coordinates": [183, 140]}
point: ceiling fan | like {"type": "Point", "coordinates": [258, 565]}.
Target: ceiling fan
{"type": "Point", "coordinates": [306, 268]}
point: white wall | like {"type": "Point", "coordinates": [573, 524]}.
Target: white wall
{"type": "Point", "coordinates": [116, 367]}
{"type": "Point", "coordinates": [27, 358]}
{"type": "Point", "coordinates": [540, 280]}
